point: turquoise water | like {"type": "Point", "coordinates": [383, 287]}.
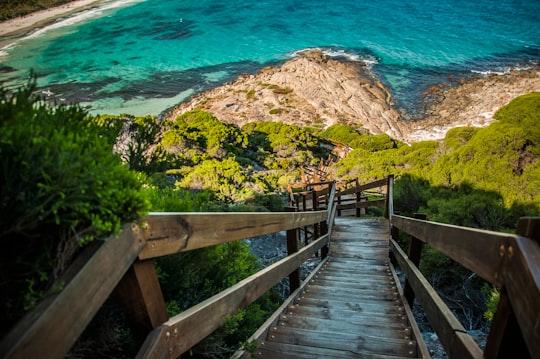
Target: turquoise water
{"type": "Point", "coordinates": [142, 57]}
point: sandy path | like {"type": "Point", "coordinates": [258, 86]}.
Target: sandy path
{"type": "Point", "coordinates": [13, 28]}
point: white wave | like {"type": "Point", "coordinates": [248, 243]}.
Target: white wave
{"type": "Point", "coordinates": [4, 51]}
{"type": "Point", "coordinates": [340, 53]}
{"type": "Point", "coordinates": [491, 72]}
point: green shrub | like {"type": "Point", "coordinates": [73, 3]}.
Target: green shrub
{"type": "Point", "coordinates": [61, 187]}
{"type": "Point", "coordinates": [341, 133]}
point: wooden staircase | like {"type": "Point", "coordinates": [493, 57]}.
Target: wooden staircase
{"type": "Point", "coordinates": [352, 307]}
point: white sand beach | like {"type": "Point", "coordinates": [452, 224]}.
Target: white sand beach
{"type": "Point", "coordinates": [19, 26]}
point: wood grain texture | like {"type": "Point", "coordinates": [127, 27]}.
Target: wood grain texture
{"type": "Point", "coordinates": [56, 323]}
{"type": "Point", "coordinates": [477, 250]}
{"type": "Point", "coordinates": [168, 233]}
{"type": "Point", "coordinates": [439, 315]}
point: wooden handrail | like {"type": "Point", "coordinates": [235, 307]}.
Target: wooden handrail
{"type": "Point", "coordinates": [508, 261]}
{"type": "Point", "coordinates": [97, 273]}
{"type": "Point", "coordinates": [94, 275]}
{"type": "Point", "coordinates": [168, 233]}
{"type": "Point", "coordinates": [176, 336]}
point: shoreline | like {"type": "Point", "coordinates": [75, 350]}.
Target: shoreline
{"type": "Point", "coordinates": [13, 29]}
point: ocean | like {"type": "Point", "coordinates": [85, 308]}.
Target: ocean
{"type": "Point", "coordinates": [142, 57]}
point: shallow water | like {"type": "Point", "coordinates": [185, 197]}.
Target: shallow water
{"type": "Point", "coordinates": [141, 57]}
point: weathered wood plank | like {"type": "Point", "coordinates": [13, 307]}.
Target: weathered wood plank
{"type": "Point", "coordinates": [362, 188]}
{"type": "Point", "coordinates": [362, 204]}
{"type": "Point", "coordinates": [261, 333]}
{"type": "Point", "coordinates": [177, 335]}
{"type": "Point", "coordinates": [140, 294]}
{"type": "Point", "coordinates": [352, 342]}
{"type": "Point", "coordinates": [464, 245]}
{"type": "Point", "coordinates": [382, 290]}
{"type": "Point", "coordinates": [370, 329]}
{"type": "Point", "coordinates": [348, 315]}
{"type": "Point", "coordinates": [352, 299]}
{"type": "Point", "coordinates": [360, 265]}
{"type": "Point", "coordinates": [56, 323]}
{"type": "Point", "coordinates": [421, 347]}
{"type": "Point", "coordinates": [168, 233]}
{"type": "Point", "coordinates": [522, 281]}
{"type": "Point", "coordinates": [373, 285]}
{"type": "Point", "coordinates": [353, 305]}
{"type": "Point", "coordinates": [342, 279]}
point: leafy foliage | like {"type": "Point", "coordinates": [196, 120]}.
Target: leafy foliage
{"type": "Point", "coordinates": [202, 136]}
{"type": "Point", "coordinates": [61, 187]}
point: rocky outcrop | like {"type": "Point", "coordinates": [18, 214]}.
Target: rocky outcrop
{"type": "Point", "coordinates": [316, 90]}
{"type": "Point", "coordinates": [311, 89]}
{"type": "Point", "coordinates": [470, 102]}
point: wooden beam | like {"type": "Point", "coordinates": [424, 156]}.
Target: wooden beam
{"type": "Point", "coordinates": [168, 233]}
{"type": "Point", "coordinates": [415, 254]}
{"type": "Point", "coordinates": [56, 323]}
{"type": "Point", "coordinates": [505, 339]}
{"type": "Point", "coordinates": [292, 247]}
{"type": "Point", "coordinates": [363, 204]}
{"type": "Point", "coordinates": [140, 294]}
{"type": "Point", "coordinates": [421, 347]}
{"type": "Point", "coordinates": [176, 336]}
{"type": "Point", "coordinates": [475, 249]}
{"type": "Point", "coordinates": [455, 340]}
{"type": "Point", "coordinates": [522, 282]}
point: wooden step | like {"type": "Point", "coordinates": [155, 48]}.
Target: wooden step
{"type": "Point", "coordinates": [397, 320]}
{"type": "Point", "coordinates": [326, 292]}
{"type": "Point", "coordinates": [338, 326]}
{"type": "Point", "coordinates": [271, 350]}
{"type": "Point", "coordinates": [366, 284]}
{"type": "Point", "coordinates": [356, 343]}
{"type": "Point", "coordinates": [394, 307]}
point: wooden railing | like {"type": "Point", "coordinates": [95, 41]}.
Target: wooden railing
{"type": "Point", "coordinates": [124, 264]}
{"type": "Point", "coordinates": [510, 262]}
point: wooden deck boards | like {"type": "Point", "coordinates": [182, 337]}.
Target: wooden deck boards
{"type": "Point", "coordinates": [352, 308]}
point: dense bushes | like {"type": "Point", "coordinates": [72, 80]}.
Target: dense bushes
{"type": "Point", "coordinates": [479, 177]}
{"type": "Point", "coordinates": [60, 188]}
{"type": "Point", "coordinates": [236, 163]}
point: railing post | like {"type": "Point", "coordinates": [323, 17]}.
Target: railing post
{"type": "Point", "coordinates": [339, 202]}
{"type": "Point", "coordinates": [505, 339]}
{"type": "Point", "coordinates": [389, 209]}
{"type": "Point", "coordinates": [414, 254]}
{"type": "Point", "coordinates": [292, 247]}
{"type": "Point", "coordinates": [315, 205]}
{"type": "Point", "coordinates": [358, 200]}
{"type": "Point", "coordinates": [394, 234]}
{"type": "Point", "coordinates": [140, 294]}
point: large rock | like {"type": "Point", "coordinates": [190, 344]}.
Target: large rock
{"type": "Point", "coordinates": [316, 90]}
{"type": "Point", "coordinates": [470, 102]}
{"type": "Point", "coordinates": [311, 89]}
